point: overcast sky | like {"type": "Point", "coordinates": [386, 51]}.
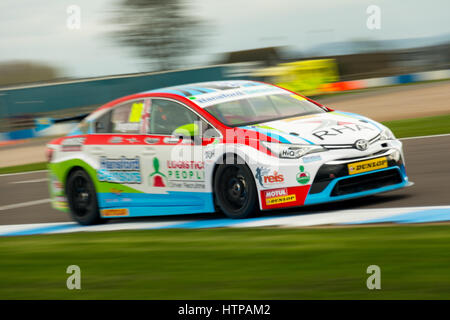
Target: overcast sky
{"type": "Point", "coordinates": [36, 29]}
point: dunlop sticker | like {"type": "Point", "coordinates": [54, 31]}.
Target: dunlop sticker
{"type": "Point", "coordinates": [368, 165]}
{"type": "Point", "coordinates": [282, 199]}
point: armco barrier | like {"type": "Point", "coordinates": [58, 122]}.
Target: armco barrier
{"type": "Point", "coordinates": [53, 130]}
{"type": "Point", "coordinates": [36, 99]}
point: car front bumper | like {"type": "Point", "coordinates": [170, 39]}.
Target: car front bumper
{"type": "Point", "coordinates": [333, 181]}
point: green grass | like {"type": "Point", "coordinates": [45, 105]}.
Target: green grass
{"type": "Point", "coordinates": [230, 264]}
{"type": "Point", "coordinates": [24, 168]}
{"type": "Point", "coordinates": [420, 126]}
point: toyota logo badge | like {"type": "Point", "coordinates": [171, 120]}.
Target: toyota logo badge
{"type": "Point", "coordinates": [361, 144]}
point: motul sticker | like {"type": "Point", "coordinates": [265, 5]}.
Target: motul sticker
{"type": "Point", "coordinates": [284, 197]}
{"type": "Point", "coordinates": [278, 196]}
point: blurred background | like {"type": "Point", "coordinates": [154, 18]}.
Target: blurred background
{"type": "Point", "coordinates": [386, 59]}
{"type": "Point", "coordinates": [62, 59]}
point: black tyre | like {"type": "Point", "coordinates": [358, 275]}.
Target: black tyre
{"type": "Point", "coordinates": [235, 191]}
{"type": "Point", "coordinates": [82, 198]}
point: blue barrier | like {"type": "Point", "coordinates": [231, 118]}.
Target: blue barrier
{"type": "Point", "coordinates": [52, 97]}
{"type": "Point", "coordinates": [405, 78]}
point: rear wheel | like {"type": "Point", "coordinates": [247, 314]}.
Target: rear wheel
{"type": "Point", "coordinates": [82, 198]}
{"type": "Point", "coordinates": [235, 191]}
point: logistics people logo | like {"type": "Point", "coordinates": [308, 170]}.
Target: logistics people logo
{"type": "Point", "coordinates": [156, 179]}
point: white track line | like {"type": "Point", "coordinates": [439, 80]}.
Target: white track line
{"type": "Point", "coordinates": [21, 173]}
{"type": "Point", "coordinates": [24, 204]}
{"type": "Point", "coordinates": [423, 137]}
{"type": "Point", "coordinates": [30, 181]}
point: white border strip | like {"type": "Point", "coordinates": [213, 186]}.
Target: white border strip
{"type": "Point", "coordinates": [24, 204]}
{"type": "Point", "coordinates": [30, 181]}
{"type": "Point", "coordinates": [423, 137]}
{"type": "Point", "coordinates": [21, 173]}
{"type": "Point", "coordinates": [337, 217]}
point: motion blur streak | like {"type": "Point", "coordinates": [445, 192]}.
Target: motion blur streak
{"type": "Point", "coordinates": [430, 189]}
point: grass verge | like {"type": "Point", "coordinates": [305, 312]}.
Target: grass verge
{"type": "Point", "coordinates": [24, 168]}
{"type": "Point", "coordinates": [230, 264]}
{"type": "Point", "coordinates": [420, 126]}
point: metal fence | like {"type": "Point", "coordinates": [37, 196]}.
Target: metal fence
{"type": "Point", "coordinates": [19, 106]}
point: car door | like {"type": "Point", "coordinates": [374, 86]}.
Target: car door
{"type": "Point", "coordinates": [175, 170]}
{"type": "Point", "coordinates": [116, 147]}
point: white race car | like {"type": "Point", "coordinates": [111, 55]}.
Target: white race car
{"type": "Point", "coordinates": [235, 146]}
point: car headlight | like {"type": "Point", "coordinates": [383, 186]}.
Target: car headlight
{"type": "Point", "coordinates": [291, 151]}
{"type": "Point", "coordinates": [387, 134]}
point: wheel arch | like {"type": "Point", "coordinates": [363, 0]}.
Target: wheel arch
{"type": "Point", "coordinates": [222, 160]}
{"type": "Point", "coordinates": [89, 213]}
{"type": "Point", "coordinates": [77, 164]}
{"type": "Point", "coordinates": [237, 159]}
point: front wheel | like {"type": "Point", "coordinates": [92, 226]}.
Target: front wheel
{"type": "Point", "coordinates": [235, 191]}
{"type": "Point", "coordinates": [82, 198]}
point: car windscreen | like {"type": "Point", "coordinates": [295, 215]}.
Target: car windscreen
{"type": "Point", "coordinates": [252, 110]}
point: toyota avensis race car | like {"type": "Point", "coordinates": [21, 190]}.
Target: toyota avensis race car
{"type": "Point", "coordinates": [235, 146]}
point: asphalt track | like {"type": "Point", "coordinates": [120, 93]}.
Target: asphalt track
{"type": "Point", "coordinates": [25, 196]}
